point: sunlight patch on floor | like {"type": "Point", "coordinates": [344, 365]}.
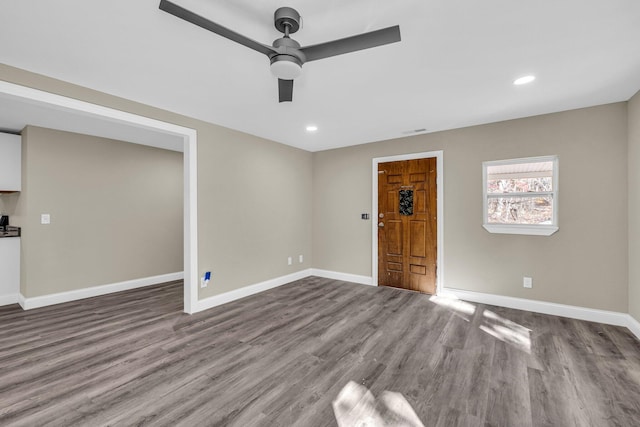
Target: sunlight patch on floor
{"type": "Point", "coordinates": [459, 307]}
{"type": "Point", "coordinates": [356, 406]}
{"type": "Point", "coordinates": [491, 323]}
{"type": "Point", "coordinates": [506, 331]}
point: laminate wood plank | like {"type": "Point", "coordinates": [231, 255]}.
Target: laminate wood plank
{"type": "Point", "coordinates": [419, 343]}
{"type": "Point", "coordinates": [554, 401]}
{"type": "Point", "coordinates": [477, 336]}
{"type": "Point", "coordinates": [191, 397]}
{"type": "Point", "coordinates": [56, 361]}
{"type": "Point", "coordinates": [451, 417]}
{"type": "Point", "coordinates": [454, 378]}
{"type": "Point", "coordinates": [254, 393]}
{"type": "Point", "coordinates": [586, 379]}
{"type": "Point", "coordinates": [544, 355]}
{"type": "Point", "coordinates": [454, 333]}
{"type": "Point", "coordinates": [314, 325]}
{"type": "Point", "coordinates": [431, 390]}
{"type": "Point", "coordinates": [315, 404]}
{"type": "Point", "coordinates": [284, 356]}
{"type": "Point", "coordinates": [509, 401]}
{"type": "Point", "coordinates": [620, 383]}
{"type": "Point", "coordinates": [628, 345]}
{"type": "Point", "coordinates": [119, 391]}
{"type": "Point", "coordinates": [67, 386]}
{"type": "Point", "coordinates": [35, 352]}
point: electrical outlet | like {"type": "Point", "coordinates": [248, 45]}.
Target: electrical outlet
{"type": "Point", "coordinates": [301, 259]}
{"type": "Point", "coordinates": [527, 282]}
{"type": "Point", "coordinates": [289, 261]}
{"type": "Point", "coordinates": [45, 219]}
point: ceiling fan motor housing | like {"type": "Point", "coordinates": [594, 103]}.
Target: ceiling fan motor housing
{"type": "Point", "coordinates": [286, 17]}
{"type": "Point", "coordinates": [288, 47]}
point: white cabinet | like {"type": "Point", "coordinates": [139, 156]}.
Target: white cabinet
{"type": "Point", "coordinates": [10, 162]}
{"type": "Point", "coordinates": [9, 268]}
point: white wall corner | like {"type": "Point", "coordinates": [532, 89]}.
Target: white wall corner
{"type": "Point", "coordinates": [633, 325]}
{"type": "Point", "coordinates": [190, 290]}
{"type": "Point", "coordinates": [22, 301]}
{"type": "Point", "coordinates": [249, 290]}
{"type": "Point", "coordinates": [571, 311]}
{"type": "Point", "coordinates": [9, 299]}
{"type": "Point", "coordinates": [62, 297]}
{"type": "Point", "coordinates": [347, 277]}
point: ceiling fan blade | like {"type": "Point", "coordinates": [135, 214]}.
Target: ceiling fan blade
{"type": "Point", "coordinates": [200, 21]}
{"type": "Point", "coordinates": [352, 44]}
{"type": "Point", "coordinates": [285, 90]}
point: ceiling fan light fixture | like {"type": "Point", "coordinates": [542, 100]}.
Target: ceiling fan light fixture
{"type": "Point", "coordinates": [286, 67]}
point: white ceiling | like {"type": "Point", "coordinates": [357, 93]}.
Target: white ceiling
{"type": "Point", "coordinates": [453, 68]}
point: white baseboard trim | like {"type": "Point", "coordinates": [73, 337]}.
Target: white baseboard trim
{"type": "Point", "coordinates": [634, 326]}
{"type": "Point", "coordinates": [246, 291]}
{"type": "Point", "coordinates": [9, 299]}
{"type": "Point", "coordinates": [563, 310]}
{"type": "Point", "coordinates": [51, 299]}
{"type": "Point", "coordinates": [347, 277]}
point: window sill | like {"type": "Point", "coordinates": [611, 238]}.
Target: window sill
{"type": "Point", "coordinates": [531, 230]}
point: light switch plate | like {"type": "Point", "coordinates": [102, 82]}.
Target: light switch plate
{"type": "Point", "coordinates": [527, 282]}
{"type": "Point", "coordinates": [45, 219]}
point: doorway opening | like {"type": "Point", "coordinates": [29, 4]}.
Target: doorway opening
{"type": "Point", "coordinates": [60, 112]}
{"type": "Point", "coordinates": [407, 227]}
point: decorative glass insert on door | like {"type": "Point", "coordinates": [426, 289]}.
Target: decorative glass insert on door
{"type": "Point", "coordinates": [406, 202]}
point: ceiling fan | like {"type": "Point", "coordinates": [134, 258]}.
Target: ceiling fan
{"type": "Point", "coordinates": [286, 54]}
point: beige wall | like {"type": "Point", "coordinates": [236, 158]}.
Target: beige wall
{"type": "Point", "coordinates": [116, 211]}
{"type": "Point", "coordinates": [254, 195]}
{"type": "Point", "coordinates": [255, 201]}
{"type": "Point", "coordinates": [254, 211]}
{"type": "Point", "coordinates": [583, 264]}
{"type": "Point", "coordinates": [634, 205]}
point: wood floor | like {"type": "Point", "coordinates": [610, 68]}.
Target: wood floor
{"type": "Point", "coordinates": [281, 358]}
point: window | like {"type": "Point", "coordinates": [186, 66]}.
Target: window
{"type": "Point", "coordinates": [521, 196]}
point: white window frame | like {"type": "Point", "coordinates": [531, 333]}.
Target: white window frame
{"type": "Point", "coordinates": [527, 229]}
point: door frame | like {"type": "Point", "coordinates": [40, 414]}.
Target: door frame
{"type": "Point", "coordinates": [439, 155]}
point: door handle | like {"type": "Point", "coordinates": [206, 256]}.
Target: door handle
{"type": "Point", "coordinates": [381, 224]}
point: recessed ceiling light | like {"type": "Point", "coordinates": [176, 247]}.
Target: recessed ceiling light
{"type": "Point", "coordinates": [524, 80]}
{"type": "Point", "coordinates": [312, 128]}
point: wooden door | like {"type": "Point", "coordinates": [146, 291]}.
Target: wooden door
{"type": "Point", "coordinates": [407, 234]}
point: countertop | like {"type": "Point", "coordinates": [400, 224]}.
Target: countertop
{"type": "Point", "coordinates": [10, 231]}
